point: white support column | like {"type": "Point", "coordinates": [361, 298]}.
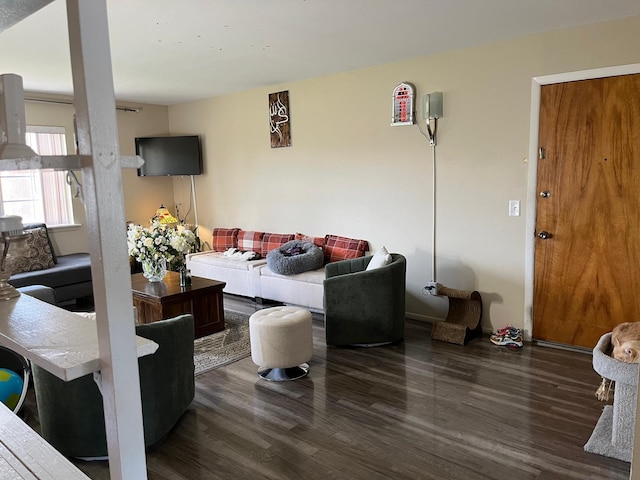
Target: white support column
{"type": "Point", "coordinates": [94, 102]}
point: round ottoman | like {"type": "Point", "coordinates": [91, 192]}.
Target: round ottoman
{"type": "Point", "coordinates": [281, 342]}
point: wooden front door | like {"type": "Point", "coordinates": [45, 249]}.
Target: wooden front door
{"type": "Point", "coordinates": [587, 252]}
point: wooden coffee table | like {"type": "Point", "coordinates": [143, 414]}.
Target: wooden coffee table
{"type": "Point", "coordinates": [166, 299]}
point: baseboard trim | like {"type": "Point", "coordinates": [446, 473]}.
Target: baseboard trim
{"type": "Point", "coordinates": [561, 346]}
{"type": "Point", "coordinates": [421, 318]}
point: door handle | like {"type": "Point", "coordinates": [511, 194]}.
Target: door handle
{"type": "Point", "coordinates": [545, 194]}
{"type": "Point", "coordinates": [544, 235]}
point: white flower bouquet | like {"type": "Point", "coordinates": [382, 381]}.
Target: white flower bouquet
{"type": "Point", "coordinates": [160, 241]}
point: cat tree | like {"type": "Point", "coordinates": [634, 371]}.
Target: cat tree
{"type": "Point", "coordinates": [613, 435]}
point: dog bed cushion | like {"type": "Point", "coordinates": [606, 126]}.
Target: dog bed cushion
{"type": "Point", "coordinates": [295, 256]}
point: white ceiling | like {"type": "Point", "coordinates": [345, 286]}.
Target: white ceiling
{"type": "Point", "coordinates": [171, 51]}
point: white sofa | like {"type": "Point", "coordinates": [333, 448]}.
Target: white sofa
{"type": "Point", "coordinates": [254, 279]}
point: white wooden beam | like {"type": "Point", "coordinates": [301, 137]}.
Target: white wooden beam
{"type": "Point", "coordinates": [62, 162]}
{"type": "Point", "coordinates": [94, 101]}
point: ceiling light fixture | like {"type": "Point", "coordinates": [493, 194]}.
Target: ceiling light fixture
{"type": "Point", "coordinates": [12, 119]}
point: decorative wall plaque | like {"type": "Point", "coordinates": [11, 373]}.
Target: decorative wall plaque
{"type": "Point", "coordinates": [279, 119]}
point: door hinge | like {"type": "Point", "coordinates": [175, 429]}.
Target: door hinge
{"type": "Point", "coordinates": [541, 153]}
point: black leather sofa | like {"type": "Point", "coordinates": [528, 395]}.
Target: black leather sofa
{"type": "Point", "coordinates": [70, 277]}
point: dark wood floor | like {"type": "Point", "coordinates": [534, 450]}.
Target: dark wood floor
{"type": "Point", "coordinates": [419, 410]}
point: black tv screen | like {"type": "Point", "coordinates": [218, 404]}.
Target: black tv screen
{"type": "Point", "coordinates": [178, 155]}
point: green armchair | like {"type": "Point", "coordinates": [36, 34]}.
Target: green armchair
{"type": "Point", "coordinates": [364, 307]}
{"type": "Point", "coordinates": [71, 413]}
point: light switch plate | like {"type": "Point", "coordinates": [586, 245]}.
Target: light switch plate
{"type": "Point", "coordinates": [514, 208]}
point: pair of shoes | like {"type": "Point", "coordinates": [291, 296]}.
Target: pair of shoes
{"type": "Point", "coordinates": [508, 336]}
{"type": "Point", "coordinates": [507, 340]}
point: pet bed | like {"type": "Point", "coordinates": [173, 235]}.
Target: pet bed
{"type": "Point", "coordinates": [295, 256]}
{"type": "Point", "coordinates": [613, 434]}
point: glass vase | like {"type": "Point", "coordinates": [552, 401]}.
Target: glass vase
{"type": "Point", "coordinates": [154, 270]}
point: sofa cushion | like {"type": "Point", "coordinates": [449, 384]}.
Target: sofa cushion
{"type": "Point", "coordinates": [71, 269]}
{"type": "Point", "coordinates": [250, 241]}
{"type": "Point", "coordinates": [342, 248]}
{"type": "Point", "coordinates": [218, 259]}
{"type": "Point", "coordinates": [312, 276]}
{"type": "Point", "coordinates": [36, 255]}
{"type": "Point", "coordinates": [274, 240]}
{"type": "Point", "coordinates": [224, 239]}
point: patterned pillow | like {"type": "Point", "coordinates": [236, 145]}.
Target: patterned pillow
{"type": "Point", "coordinates": [249, 241]}
{"type": "Point", "coordinates": [317, 241]}
{"type": "Point", "coordinates": [341, 248]}
{"type": "Point", "coordinates": [31, 226]}
{"type": "Point", "coordinates": [274, 240]}
{"type": "Point", "coordinates": [35, 256]}
{"type": "Point", "coordinates": [224, 239]}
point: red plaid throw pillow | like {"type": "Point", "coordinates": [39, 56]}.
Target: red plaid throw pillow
{"type": "Point", "coordinates": [250, 241]}
{"type": "Point", "coordinates": [274, 240]}
{"type": "Point", "coordinates": [224, 239]}
{"type": "Point", "coordinates": [317, 241]}
{"type": "Point", "coordinates": [341, 248]}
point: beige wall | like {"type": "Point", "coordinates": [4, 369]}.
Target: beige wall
{"type": "Point", "coordinates": [349, 173]}
{"type": "Point", "coordinates": [142, 194]}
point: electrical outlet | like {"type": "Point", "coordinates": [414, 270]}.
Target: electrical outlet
{"type": "Point", "coordinates": [514, 208]}
{"type": "Point", "coordinates": [432, 288]}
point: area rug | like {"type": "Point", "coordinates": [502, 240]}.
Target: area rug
{"type": "Point", "coordinates": [223, 348]}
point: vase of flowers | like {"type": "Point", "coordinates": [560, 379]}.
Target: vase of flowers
{"type": "Point", "coordinates": [159, 248]}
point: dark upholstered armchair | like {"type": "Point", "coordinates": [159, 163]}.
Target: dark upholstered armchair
{"type": "Point", "coordinates": [71, 413]}
{"type": "Point", "coordinates": [364, 307]}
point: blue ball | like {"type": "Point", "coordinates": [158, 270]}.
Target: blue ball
{"type": "Point", "coordinates": [11, 385]}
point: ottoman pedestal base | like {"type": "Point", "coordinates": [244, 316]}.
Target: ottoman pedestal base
{"type": "Point", "coordinates": [284, 374]}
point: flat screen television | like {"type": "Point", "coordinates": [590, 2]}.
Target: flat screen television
{"type": "Point", "coordinates": [179, 155]}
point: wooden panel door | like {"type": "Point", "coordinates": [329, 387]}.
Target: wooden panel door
{"type": "Point", "coordinates": [587, 254]}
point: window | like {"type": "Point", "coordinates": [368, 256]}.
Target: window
{"type": "Point", "coordinates": [39, 195]}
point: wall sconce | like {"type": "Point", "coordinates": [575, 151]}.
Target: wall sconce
{"type": "Point", "coordinates": [10, 233]}
{"type": "Point", "coordinates": [431, 112]}
{"type": "Point", "coordinates": [12, 118]}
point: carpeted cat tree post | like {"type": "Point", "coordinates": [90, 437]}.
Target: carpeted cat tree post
{"type": "Point", "coordinates": [613, 434]}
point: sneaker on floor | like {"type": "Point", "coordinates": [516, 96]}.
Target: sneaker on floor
{"type": "Point", "coordinates": [507, 339]}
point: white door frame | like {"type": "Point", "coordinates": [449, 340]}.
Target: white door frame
{"type": "Point", "coordinates": [532, 194]}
